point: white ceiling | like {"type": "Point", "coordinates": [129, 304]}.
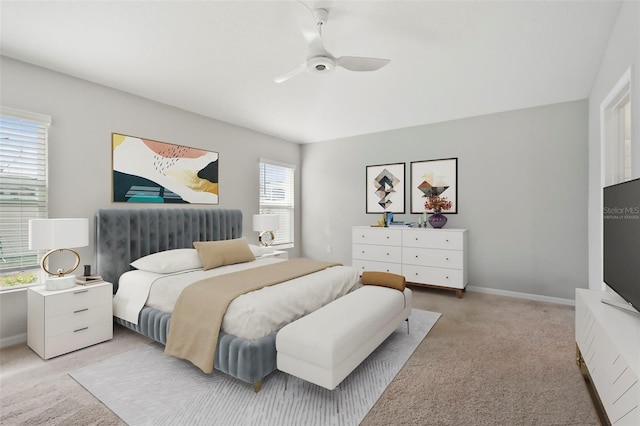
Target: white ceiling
{"type": "Point", "coordinates": [449, 59]}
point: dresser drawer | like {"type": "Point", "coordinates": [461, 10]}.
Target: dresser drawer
{"type": "Point", "coordinates": [77, 320]}
{"type": "Point", "coordinates": [71, 341]}
{"type": "Point", "coordinates": [452, 259]}
{"type": "Point", "coordinates": [378, 236]}
{"type": "Point", "coordinates": [79, 298]}
{"type": "Point", "coordinates": [369, 265]}
{"type": "Point", "coordinates": [435, 276]}
{"type": "Point", "coordinates": [377, 253]}
{"type": "Point", "coordinates": [437, 239]}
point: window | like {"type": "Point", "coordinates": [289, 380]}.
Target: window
{"type": "Point", "coordinates": [276, 197]}
{"type": "Point", "coordinates": [615, 112]}
{"type": "Point", "coordinates": [23, 192]}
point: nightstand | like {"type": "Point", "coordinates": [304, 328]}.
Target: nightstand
{"type": "Point", "coordinates": [67, 320]}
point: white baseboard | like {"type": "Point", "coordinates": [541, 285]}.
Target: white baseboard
{"type": "Point", "coordinates": [13, 340]}
{"type": "Point", "coordinates": [536, 297]}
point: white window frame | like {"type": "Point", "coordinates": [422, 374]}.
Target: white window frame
{"type": "Point", "coordinates": [23, 186]}
{"type": "Point", "coordinates": [284, 204]}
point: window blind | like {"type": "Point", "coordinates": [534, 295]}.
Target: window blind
{"type": "Point", "coordinates": [277, 197]}
{"type": "Point", "coordinates": [23, 184]}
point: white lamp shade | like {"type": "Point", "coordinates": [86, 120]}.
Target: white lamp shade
{"type": "Point", "coordinates": [46, 234]}
{"type": "Point", "coordinates": [265, 222]}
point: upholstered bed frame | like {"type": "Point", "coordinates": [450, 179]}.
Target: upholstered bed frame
{"type": "Point", "coordinates": [124, 235]}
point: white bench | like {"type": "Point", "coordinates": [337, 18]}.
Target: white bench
{"type": "Point", "coordinates": [328, 344]}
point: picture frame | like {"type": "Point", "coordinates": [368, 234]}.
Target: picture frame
{"type": "Point", "coordinates": [148, 171]}
{"type": "Point", "coordinates": [385, 188]}
{"type": "Point", "coordinates": [434, 177]}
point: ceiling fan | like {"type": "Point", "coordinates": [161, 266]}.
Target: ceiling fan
{"type": "Point", "coordinates": [319, 60]}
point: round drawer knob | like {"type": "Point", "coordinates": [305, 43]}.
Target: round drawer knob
{"type": "Point", "coordinates": [416, 256]}
{"type": "Point", "coordinates": [446, 278]}
{"type": "Point", "coordinates": [446, 258]}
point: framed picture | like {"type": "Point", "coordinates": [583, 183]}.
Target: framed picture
{"type": "Point", "coordinates": [147, 171]}
{"type": "Point", "coordinates": [385, 188]}
{"type": "Point", "coordinates": [434, 177]}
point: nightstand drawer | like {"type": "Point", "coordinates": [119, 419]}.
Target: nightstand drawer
{"type": "Point", "coordinates": [433, 257]}
{"type": "Point", "coordinates": [435, 276]}
{"type": "Point", "coordinates": [377, 253]}
{"type": "Point", "coordinates": [438, 239]}
{"type": "Point", "coordinates": [79, 319]}
{"type": "Point", "coordinates": [67, 342]}
{"type": "Point", "coordinates": [79, 298]}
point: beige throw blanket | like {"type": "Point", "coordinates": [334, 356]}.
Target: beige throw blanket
{"type": "Point", "coordinates": [197, 316]}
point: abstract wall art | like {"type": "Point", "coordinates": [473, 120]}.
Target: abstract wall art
{"type": "Point", "coordinates": [434, 177]}
{"type": "Point", "coordinates": [385, 188]}
{"type": "Point", "coordinates": [148, 171]}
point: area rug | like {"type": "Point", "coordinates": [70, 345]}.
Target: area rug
{"type": "Point", "coordinates": [146, 387]}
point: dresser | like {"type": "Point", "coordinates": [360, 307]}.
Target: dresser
{"type": "Point", "coordinates": [425, 256]}
{"type": "Point", "coordinates": [66, 320]}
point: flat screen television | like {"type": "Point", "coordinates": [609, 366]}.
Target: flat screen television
{"type": "Point", "coordinates": [621, 240]}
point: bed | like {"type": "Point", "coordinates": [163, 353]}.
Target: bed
{"type": "Point", "coordinates": [125, 235]}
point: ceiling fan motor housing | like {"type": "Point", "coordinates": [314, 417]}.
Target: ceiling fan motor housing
{"type": "Point", "coordinates": [320, 65]}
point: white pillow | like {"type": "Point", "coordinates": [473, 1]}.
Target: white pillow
{"type": "Point", "coordinates": [259, 250]}
{"type": "Point", "coordinates": [169, 261]}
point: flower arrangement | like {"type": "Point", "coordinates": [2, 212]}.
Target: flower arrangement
{"type": "Point", "coordinates": [437, 203]}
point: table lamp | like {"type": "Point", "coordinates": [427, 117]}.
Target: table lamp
{"type": "Point", "coordinates": [58, 235]}
{"type": "Point", "coordinates": [265, 224]}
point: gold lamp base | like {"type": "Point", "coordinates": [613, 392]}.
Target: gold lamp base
{"type": "Point", "coordinates": [266, 238]}
{"type": "Point", "coordinates": [61, 281]}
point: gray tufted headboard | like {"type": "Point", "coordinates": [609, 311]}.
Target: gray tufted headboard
{"type": "Point", "coordinates": [124, 235]}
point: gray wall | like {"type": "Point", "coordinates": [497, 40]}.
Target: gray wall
{"type": "Point", "coordinates": [85, 114]}
{"type": "Point", "coordinates": [623, 52]}
{"type": "Point", "coordinates": [522, 193]}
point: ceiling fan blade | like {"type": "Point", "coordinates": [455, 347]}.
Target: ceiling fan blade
{"type": "Point", "coordinates": [356, 63]}
{"type": "Point", "coordinates": [297, 70]}
{"type": "Point", "coordinates": [310, 24]}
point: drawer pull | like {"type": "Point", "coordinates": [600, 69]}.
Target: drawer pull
{"type": "Point", "coordinates": [81, 291]}
{"type": "Point", "coordinates": [416, 256]}
{"type": "Point", "coordinates": [447, 240]}
{"type": "Point", "coordinates": [387, 254]}
{"type": "Point", "coordinates": [446, 258]}
{"type": "Point", "coordinates": [416, 238]}
{"type": "Point", "coordinates": [80, 310]}
{"type": "Point", "coordinates": [81, 329]}
{"type": "Point", "coordinates": [446, 278]}
{"type": "Point", "coordinates": [362, 251]}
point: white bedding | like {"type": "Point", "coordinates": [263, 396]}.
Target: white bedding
{"type": "Point", "coordinates": [250, 316]}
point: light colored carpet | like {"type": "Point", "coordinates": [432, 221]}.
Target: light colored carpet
{"type": "Point", "coordinates": [147, 387]}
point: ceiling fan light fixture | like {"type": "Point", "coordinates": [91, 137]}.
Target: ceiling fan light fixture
{"type": "Point", "coordinates": [320, 65]}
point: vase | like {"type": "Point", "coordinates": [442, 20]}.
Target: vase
{"type": "Point", "coordinates": [437, 220]}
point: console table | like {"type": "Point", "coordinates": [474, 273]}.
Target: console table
{"type": "Point", "coordinates": [608, 354]}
